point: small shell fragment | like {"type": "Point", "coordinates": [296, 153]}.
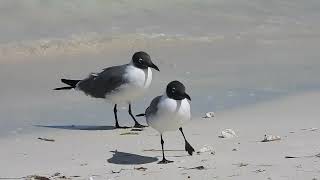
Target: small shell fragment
{"type": "Point", "coordinates": [206, 148]}
{"type": "Point", "coordinates": [209, 115]}
{"type": "Point", "coordinates": [228, 133]}
{"type": "Point", "coordinates": [268, 138]}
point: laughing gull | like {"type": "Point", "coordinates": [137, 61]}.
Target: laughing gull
{"type": "Point", "coordinates": [118, 84]}
{"type": "Point", "coordinates": [169, 112]}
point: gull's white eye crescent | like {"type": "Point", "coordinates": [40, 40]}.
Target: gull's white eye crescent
{"type": "Point", "coordinates": [140, 60]}
{"type": "Point", "coordinates": [173, 89]}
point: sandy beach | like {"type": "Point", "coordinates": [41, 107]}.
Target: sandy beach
{"type": "Point", "coordinates": [127, 154]}
{"type": "Point", "coordinates": [255, 64]}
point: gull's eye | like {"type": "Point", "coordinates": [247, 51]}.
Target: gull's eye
{"type": "Point", "coordinates": [140, 60]}
{"type": "Point", "coordinates": [173, 90]}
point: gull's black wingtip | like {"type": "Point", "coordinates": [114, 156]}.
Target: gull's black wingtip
{"type": "Point", "coordinates": [140, 115]}
{"type": "Point", "coordinates": [63, 88]}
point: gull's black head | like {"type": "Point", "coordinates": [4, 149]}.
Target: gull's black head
{"type": "Point", "coordinates": [177, 91]}
{"type": "Point", "coordinates": [142, 60]}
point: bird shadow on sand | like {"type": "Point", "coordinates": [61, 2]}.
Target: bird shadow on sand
{"type": "Point", "coordinates": [130, 159]}
{"type": "Point", "coordinates": [78, 127]}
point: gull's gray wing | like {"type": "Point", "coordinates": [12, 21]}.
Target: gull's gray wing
{"type": "Point", "coordinates": [153, 108]}
{"type": "Point", "coordinates": [98, 85]}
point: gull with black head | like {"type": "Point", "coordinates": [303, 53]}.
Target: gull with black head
{"type": "Point", "coordinates": [118, 84]}
{"type": "Point", "coordinates": [169, 112]}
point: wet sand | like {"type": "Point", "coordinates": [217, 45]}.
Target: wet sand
{"type": "Point", "coordinates": [220, 75]}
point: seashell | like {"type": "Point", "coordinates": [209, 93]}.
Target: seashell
{"type": "Point", "coordinates": [209, 115]}
{"type": "Point", "coordinates": [228, 133]}
{"type": "Point", "coordinates": [268, 138]}
{"type": "Point", "coordinates": [206, 148]}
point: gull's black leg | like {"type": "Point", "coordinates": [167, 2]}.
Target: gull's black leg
{"type": "Point", "coordinates": [164, 160]}
{"type": "Point", "coordinates": [136, 123]}
{"type": "Point", "coordinates": [116, 117]}
{"type": "Point", "coordinates": [188, 147]}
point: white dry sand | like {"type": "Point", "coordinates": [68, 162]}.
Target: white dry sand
{"type": "Point", "coordinates": [84, 154]}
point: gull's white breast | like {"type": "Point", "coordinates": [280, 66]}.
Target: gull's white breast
{"type": "Point", "coordinates": [138, 81]}
{"type": "Point", "coordinates": [171, 114]}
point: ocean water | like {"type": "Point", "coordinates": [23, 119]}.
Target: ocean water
{"type": "Point", "coordinates": [230, 54]}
